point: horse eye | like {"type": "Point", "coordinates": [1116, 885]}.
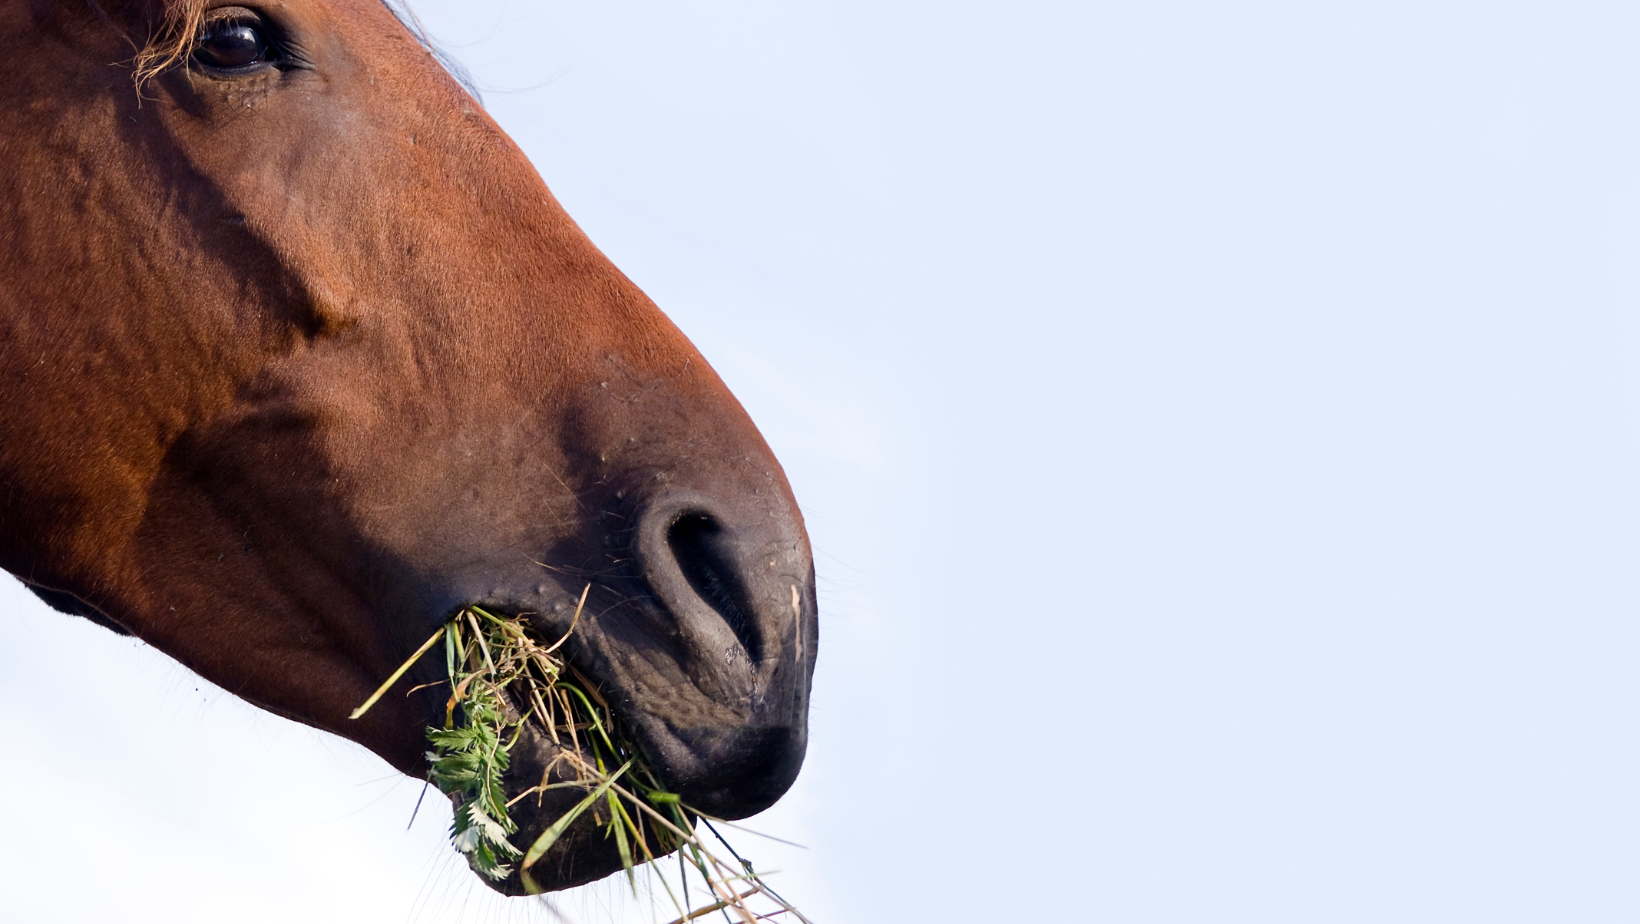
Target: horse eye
{"type": "Point", "coordinates": [232, 44]}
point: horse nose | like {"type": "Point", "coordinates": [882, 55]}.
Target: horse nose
{"type": "Point", "coordinates": [736, 586]}
{"type": "Point", "coordinates": [735, 583]}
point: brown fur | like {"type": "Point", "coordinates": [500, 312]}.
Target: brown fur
{"type": "Point", "coordinates": [294, 365]}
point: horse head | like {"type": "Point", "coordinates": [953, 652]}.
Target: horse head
{"type": "Point", "coordinates": [299, 357]}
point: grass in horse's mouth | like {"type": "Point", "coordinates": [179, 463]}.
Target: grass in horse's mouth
{"type": "Point", "coordinates": [494, 662]}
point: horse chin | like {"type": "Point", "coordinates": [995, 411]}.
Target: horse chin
{"type": "Point", "coordinates": [724, 772]}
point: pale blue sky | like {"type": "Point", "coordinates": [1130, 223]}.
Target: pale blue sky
{"type": "Point", "coordinates": [1218, 430]}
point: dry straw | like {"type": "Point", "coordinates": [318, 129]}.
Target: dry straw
{"type": "Point", "coordinates": [502, 677]}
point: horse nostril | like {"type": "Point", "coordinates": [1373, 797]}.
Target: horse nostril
{"type": "Point", "coordinates": [696, 542]}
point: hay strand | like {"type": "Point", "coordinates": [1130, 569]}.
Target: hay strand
{"type": "Point", "coordinates": [425, 646]}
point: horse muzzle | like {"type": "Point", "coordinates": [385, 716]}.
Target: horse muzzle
{"type": "Point", "coordinates": [736, 586]}
{"type": "Point", "coordinates": [701, 635]}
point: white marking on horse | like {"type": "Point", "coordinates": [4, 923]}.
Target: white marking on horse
{"type": "Point", "coordinates": [797, 610]}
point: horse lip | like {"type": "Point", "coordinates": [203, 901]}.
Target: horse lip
{"type": "Point", "coordinates": [727, 769]}
{"type": "Point", "coordinates": [690, 761]}
{"type": "Point", "coordinates": [582, 854]}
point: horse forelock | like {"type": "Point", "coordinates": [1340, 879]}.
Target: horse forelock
{"type": "Point", "coordinates": [172, 40]}
{"type": "Point", "coordinates": [178, 29]}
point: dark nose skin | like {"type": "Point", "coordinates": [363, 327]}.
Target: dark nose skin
{"type": "Point", "coordinates": [738, 589]}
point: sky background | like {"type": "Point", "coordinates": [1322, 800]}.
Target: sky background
{"type": "Point", "coordinates": [1217, 428]}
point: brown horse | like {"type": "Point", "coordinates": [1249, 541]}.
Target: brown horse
{"type": "Point", "coordinates": [298, 356]}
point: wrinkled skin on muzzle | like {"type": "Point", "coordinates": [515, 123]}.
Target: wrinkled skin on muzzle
{"type": "Point", "coordinates": [298, 360]}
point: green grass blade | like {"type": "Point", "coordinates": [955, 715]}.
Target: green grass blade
{"type": "Point", "coordinates": [621, 846]}
{"type": "Point", "coordinates": [550, 836]}
{"type": "Point", "coordinates": [591, 712]}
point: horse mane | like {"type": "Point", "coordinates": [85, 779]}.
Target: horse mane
{"type": "Point", "coordinates": [179, 27]}
{"type": "Point", "coordinates": [401, 9]}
